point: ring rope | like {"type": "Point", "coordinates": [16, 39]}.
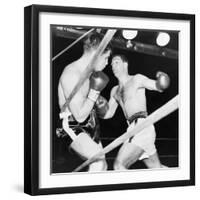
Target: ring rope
{"type": "Point", "coordinates": [160, 113]}
{"type": "Point", "coordinates": [72, 44]}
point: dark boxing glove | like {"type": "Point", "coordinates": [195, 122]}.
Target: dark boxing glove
{"type": "Point", "coordinates": [163, 81]}
{"type": "Point", "coordinates": [101, 106]}
{"type": "Point", "coordinates": [98, 82]}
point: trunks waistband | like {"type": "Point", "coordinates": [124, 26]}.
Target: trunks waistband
{"type": "Point", "coordinates": [73, 121]}
{"type": "Point", "coordinates": [90, 126]}
{"type": "Point", "coordinates": [141, 114]}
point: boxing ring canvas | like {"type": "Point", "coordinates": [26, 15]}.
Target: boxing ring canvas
{"type": "Point", "coordinates": [53, 39]}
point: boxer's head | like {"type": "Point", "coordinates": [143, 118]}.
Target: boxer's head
{"type": "Point", "coordinates": [102, 61]}
{"type": "Point", "coordinates": [91, 44]}
{"type": "Point", "coordinates": [119, 65]}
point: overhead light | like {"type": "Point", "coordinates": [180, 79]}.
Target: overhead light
{"type": "Point", "coordinates": [129, 34]}
{"type": "Point", "coordinates": [60, 28]}
{"type": "Point", "coordinates": [162, 39]}
{"type": "Point", "coordinates": [79, 28]}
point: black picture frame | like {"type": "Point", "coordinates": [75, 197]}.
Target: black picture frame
{"type": "Point", "coordinates": [32, 108]}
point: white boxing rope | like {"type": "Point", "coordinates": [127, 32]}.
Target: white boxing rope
{"type": "Point", "coordinates": [157, 115]}
{"type": "Point", "coordinates": [72, 44]}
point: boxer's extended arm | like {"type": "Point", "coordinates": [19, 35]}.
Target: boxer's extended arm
{"type": "Point", "coordinates": [159, 85]}
{"type": "Point", "coordinates": [145, 82]}
{"type": "Point", "coordinates": [112, 104]}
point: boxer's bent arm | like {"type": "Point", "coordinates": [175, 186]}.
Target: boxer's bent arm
{"type": "Point", "coordinates": [112, 108]}
{"type": "Point", "coordinates": [146, 82]}
{"type": "Point", "coordinates": [81, 107]}
{"type": "Point", "coordinates": [112, 105]}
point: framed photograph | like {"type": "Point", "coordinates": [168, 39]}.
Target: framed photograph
{"type": "Point", "coordinates": [109, 99]}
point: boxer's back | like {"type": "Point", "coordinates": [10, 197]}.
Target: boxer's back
{"type": "Point", "coordinates": [68, 80]}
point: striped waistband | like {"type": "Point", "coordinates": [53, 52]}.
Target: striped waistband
{"type": "Point", "coordinates": [141, 114]}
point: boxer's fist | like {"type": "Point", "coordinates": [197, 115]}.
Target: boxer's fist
{"type": "Point", "coordinates": [101, 106]}
{"type": "Point", "coordinates": [98, 81]}
{"type": "Point", "coordinates": [163, 81]}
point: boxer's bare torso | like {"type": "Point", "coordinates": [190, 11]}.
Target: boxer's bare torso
{"type": "Point", "coordinates": [131, 96]}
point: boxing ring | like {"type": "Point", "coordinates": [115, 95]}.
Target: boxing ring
{"type": "Point", "coordinates": [168, 156]}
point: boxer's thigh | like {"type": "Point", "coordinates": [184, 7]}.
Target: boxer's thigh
{"type": "Point", "coordinates": [128, 154]}
{"type": "Point", "coordinates": [85, 146]}
{"type": "Point", "coordinates": [99, 165]}
{"type": "Point", "coordinates": [152, 161]}
{"type": "Point", "coordinates": [145, 139]}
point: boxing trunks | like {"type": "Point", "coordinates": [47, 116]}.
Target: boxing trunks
{"type": "Point", "coordinates": [145, 139]}
{"type": "Point", "coordinates": [89, 126]}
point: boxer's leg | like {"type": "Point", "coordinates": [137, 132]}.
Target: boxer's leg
{"type": "Point", "coordinates": [146, 140]}
{"type": "Point", "coordinates": [128, 154]}
{"type": "Point", "coordinates": [153, 161]}
{"type": "Point", "coordinates": [85, 147]}
{"type": "Point", "coordinates": [99, 165]}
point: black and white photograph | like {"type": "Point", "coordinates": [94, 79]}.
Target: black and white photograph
{"type": "Point", "coordinates": [136, 73]}
{"type": "Point", "coordinates": [109, 100]}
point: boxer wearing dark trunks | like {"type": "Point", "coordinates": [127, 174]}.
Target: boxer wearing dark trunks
{"type": "Point", "coordinates": [79, 118]}
{"type": "Point", "coordinates": [89, 126]}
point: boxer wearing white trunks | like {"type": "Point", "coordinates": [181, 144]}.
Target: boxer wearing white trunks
{"type": "Point", "coordinates": [130, 95]}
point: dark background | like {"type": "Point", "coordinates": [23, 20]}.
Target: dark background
{"type": "Point", "coordinates": [166, 129]}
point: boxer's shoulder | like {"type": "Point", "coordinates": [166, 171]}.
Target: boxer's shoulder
{"type": "Point", "coordinates": [69, 79]}
{"type": "Point", "coordinates": [71, 71]}
{"type": "Point", "coordinates": [139, 78]}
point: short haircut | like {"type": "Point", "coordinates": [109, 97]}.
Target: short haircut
{"type": "Point", "coordinates": [93, 41]}
{"type": "Point", "coordinates": [123, 57]}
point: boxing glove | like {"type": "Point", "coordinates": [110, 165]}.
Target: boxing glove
{"type": "Point", "coordinates": [101, 106]}
{"type": "Point", "coordinates": [163, 81]}
{"type": "Point", "coordinates": [98, 82]}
